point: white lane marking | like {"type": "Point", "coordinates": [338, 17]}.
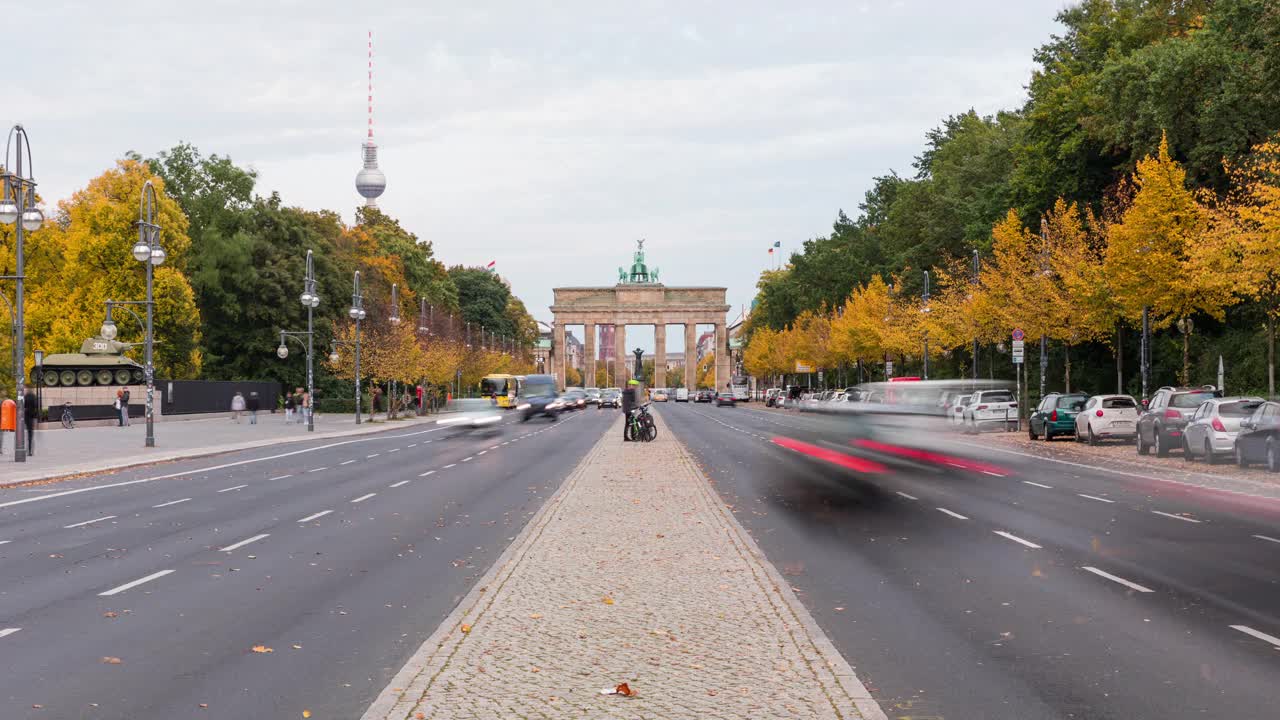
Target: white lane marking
{"type": "Point", "coordinates": [1039, 485]}
{"type": "Point", "coordinates": [6, 632]}
{"type": "Point", "coordinates": [1113, 578]}
{"type": "Point", "coordinates": [493, 447]}
{"type": "Point", "coordinates": [909, 497]}
{"type": "Point", "coordinates": [956, 515]}
{"type": "Point", "coordinates": [394, 450]}
{"type": "Point", "coordinates": [362, 498]}
{"type": "Point", "coordinates": [446, 467]}
{"type": "Point", "coordinates": [468, 459]}
{"type": "Point", "coordinates": [246, 541]}
{"type": "Point", "coordinates": [429, 472]}
{"type": "Point", "coordinates": [374, 455]}
{"type": "Point", "coordinates": [281, 477]}
{"type": "Point", "coordinates": [992, 474]}
{"type": "Point", "coordinates": [198, 471]}
{"type": "Point", "coordinates": [1091, 497]}
{"type": "Point", "coordinates": [320, 514]}
{"type": "Point", "coordinates": [1175, 517]}
{"type": "Point", "coordinates": [317, 469]}
{"type": "Point", "coordinates": [402, 482]}
{"type": "Point", "coordinates": [1015, 538]}
{"type": "Point", "coordinates": [5, 542]}
{"type": "Point", "coordinates": [482, 452]}
{"type": "Point", "coordinates": [171, 502]}
{"type": "Point", "coordinates": [413, 444]}
{"type": "Point", "coordinates": [237, 487]}
{"type": "Point", "coordinates": [346, 462]}
{"type": "Point", "coordinates": [507, 442]}
{"type": "Point", "coordinates": [1268, 539]}
{"type": "Point", "coordinates": [134, 584]}
{"type": "Point", "coordinates": [1250, 631]}
{"type": "Point", "coordinates": [88, 522]}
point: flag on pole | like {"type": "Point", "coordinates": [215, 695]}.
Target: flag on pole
{"type": "Point", "coordinates": [490, 267]}
{"type": "Point", "coordinates": [770, 251]}
{"type": "Point", "coordinates": [777, 243]}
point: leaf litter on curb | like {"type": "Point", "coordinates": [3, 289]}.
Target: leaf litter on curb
{"type": "Point", "coordinates": [262, 649]}
{"type": "Point", "coordinates": [622, 689]}
{"type": "Point", "coordinates": [109, 660]}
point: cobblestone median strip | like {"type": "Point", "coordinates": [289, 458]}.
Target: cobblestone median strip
{"type": "Point", "coordinates": [635, 572]}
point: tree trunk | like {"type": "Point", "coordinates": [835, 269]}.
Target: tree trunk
{"type": "Point", "coordinates": [1119, 358]}
{"type": "Point", "coordinates": [1186, 358]}
{"type": "Point", "coordinates": [1066, 356]}
{"type": "Point", "coordinates": [1271, 355]}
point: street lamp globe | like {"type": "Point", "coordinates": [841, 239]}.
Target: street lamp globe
{"type": "Point", "coordinates": [8, 211]}
{"type": "Point", "coordinates": [395, 319]}
{"type": "Point", "coordinates": [141, 251]}
{"type": "Point", "coordinates": [362, 314]}
{"type": "Point", "coordinates": [315, 300]}
{"type": "Point", "coordinates": [333, 357]}
{"type": "Point", "coordinates": [108, 330]}
{"type": "Point", "coordinates": [306, 299]}
{"type": "Point", "coordinates": [158, 256]}
{"type": "Point", "coordinates": [32, 219]}
{"type": "Point", "coordinates": [354, 313]}
{"type": "Point", "coordinates": [282, 352]}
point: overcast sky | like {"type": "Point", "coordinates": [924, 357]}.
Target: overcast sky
{"type": "Point", "coordinates": [545, 136]}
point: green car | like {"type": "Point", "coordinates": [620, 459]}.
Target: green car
{"type": "Point", "coordinates": [1056, 415]}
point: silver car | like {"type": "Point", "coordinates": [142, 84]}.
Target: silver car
{"type": "Point", "coordinates": [1212, 430]}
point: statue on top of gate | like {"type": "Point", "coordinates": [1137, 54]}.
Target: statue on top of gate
{"type": "Point", "coordinates": [640, 274]}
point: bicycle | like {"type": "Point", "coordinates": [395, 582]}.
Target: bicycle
{"type": "Point", "coordinates": [640, 425]}
{"type": "Point", "coordinates": [68, 420]}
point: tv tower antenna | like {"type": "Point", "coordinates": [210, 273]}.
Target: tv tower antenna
{"type": "Point", "coordinates": [370, 182]}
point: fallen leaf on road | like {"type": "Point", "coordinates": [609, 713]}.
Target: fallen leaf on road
{"type": "Point", "coordinates": [536, 669]}
{"type": "Point", "coordinates": [306, 713]}
{"type": "Point", "coordinates": [110, 613]}
{"type": "Point", "coordinates": [111, 660]}
{"type": "Point", "coordinates": [535, 616]}
{"type": "Point", "coordinates": [419, 716]}
{"type": "Point", "coordinates": [839, 609]}
{"type": "Point", "coordinates": [619, 689]}
{"type": "Point", "coordinates": [262, 649]}
{"type": "Point", "coordinates": [608, 600]}
{"type": "Point", "coordinates": [37, 707]}
{"type": "Point", "coordinates": [466, 628]}
{"type": "Point", "coordinates": [297, 647]}
{"type": "Point", "coordinates": [712, 693]}
{"type": "Point", "coordinates": [204, 706]}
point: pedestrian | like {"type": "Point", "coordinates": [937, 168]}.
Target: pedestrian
{"type": "Point", "coordinates": [237, 406]}
{"type": "Point", "coordinates": [30, 411]}
{"type": "Point", "coordinates": [306, 408]}
{"type": "Point", "coordinates": [297, 405]}
{"type": "Point", "coordinates": [377, 401]}
{"type": "Point", "coordinates": [628, 404]}
{"type": "Point", "coordinates": [421, 396]}
{"type": "Point", "coordinates": [253, 405]}
{"type": "Point", "coordinates": [118, 404]}
{"type": "Point", "coordinates": [288, 408]}
{"type": "Point", "coordinates": [124, 407]}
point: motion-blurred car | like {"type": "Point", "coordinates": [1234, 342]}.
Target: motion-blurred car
{"type": "Point", "coordinates": [1213, 428]}
{"type": "Point", "coordinates": [593, 395]}
{"type": "Point", "coordinates": [611, 399]}
{"type": "Point", "coordinates": [1107, 417]}
{"type": "Point", "coordinates": [992, 407]}
{"type": "Point", "coordinates": [471, 414]}
{"type": "Point", "coordinates": [659, 395]}
{"type": "Point", "coordinates": [1259, 437]}
{"type": "Point", "coordinates": [1167, 413]}
{"type": "Point", "coordinates": [1055, 415]}
{"type": "Point", "coordinates": [538, 398]}
{"type": "Point", "coordinates": [682, 395]}
{"type": "Point", "coordinates": [725, 397]}
{"type": "Point", "coordinates": [573, 399]}
{"type": "Point", "coordinates": [955, 413]}
{"type": "Point", "coordinates": [704, 396]}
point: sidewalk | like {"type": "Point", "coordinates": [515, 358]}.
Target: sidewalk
{"type": "Point", "coordinates": [635, 572]}
{"type": "Point", "coordinates": [60, 453]}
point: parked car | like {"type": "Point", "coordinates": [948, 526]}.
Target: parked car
{"type": "Point", "coordinates": [1167, 413]}
{"type": "Point", "coordinates": [771, 396]}
{"type": "Point", "coordinates": [1107, 417]}
{"type": "Point", "coordinates": [1213, 428]}
{"type": "Point", "coordinates": [611, 399]}
{"type": "Point", "coordinates": [658, 395]}
{"type": "Point", "coordinates": [682, 394]}
{"type": "Point", "coordinates": [990, 407]}
{"type": "Point", "coordinates": [955, 413]}
{"type": "Point", "coordinates": [1056, 415]}
{"type": "Point", "coordinates": [1259, 437]}
{"type": "Point", "coordinates": [725, 397]}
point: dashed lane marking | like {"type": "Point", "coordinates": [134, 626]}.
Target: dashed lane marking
{"type": "Point", "coordinates": [317, 469]}
{"type": "Point", "coordinates": [1175, 517]}
{"type": "Point", "coordinates": [346, 462]}
{"type": "Point", "coordinates": [429, 472]}
{"type": "Point", "coordinates": [909, 497]}
{"type": "Point", "coordinates": [320, 514]}
{"type": "Point", "coordinates": [482, 452]}
{"type": "Point", "coordinates": [1260, 635]}
{"type": "Point", "coordinates": [1092, 497]}
{"type": "Point", "coordinates": [394, 450]}
{"type": "Point", "coordinates": [955, 515]}
{"type": "Point", "coordinates": [6, 632]}
{"type": "Point", "coordinates": [1268, 539]}
{"type": "Point", "coordinates": [246, 541]}
{"type": "Point", "coordinates": [362, 498]}
{"type": "Point", "coordinates": [398, 484]}
{"type": "Point", "coordinates": [1015, 538]}
{"type": "Point", "coordinates": [370, 457]}
{"type": "Point", "coordinates": [237, 487]}
{"type": "Point", "coordinates": [446, 467]}
{"type": "Point", "coordinates": [469, 459]}
{"type": "Point", "coordinates": [1116, 579]}
{"type": "Point", "coordinates": [88, 522]}
{"type": "Point", "coordinates": [281, 477]}
{"type": "Point", "coordinates": [1039, 485]}
{"type": "Point", "coordinates": [134, 584]}
{"type": "Point", "coordinates": [171, 502]}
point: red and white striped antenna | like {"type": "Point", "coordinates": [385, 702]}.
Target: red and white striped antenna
{"type": "Point", "coordinates": [370, 84]}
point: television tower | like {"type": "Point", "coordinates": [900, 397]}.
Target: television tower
{"type": "Point", "coordinates": [370, 182]}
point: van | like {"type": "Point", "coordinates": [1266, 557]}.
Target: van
{"type": "Point", "coordinates": [682, 394]}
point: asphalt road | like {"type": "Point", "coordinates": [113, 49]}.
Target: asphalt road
{"type": "Point", "coordinates": [144, 594]}
{"type": "Point", "coordinates": [964, 583]}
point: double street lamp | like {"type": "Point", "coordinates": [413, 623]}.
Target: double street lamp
{"type": "Point", "coordinates": [310, 300]}
{"type": "Point", "coordinates": [18, 208]}
{"type": "Point", "coordinates": [148, 251]}
{"type": "Point", "coordinates": [357, 313]}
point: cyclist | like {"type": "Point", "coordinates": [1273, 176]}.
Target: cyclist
{"type": "Point", "coordinates": [628, 405]}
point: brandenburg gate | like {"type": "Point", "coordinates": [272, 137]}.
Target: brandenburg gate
{"type": "Point", "coordinates": [639, 299]}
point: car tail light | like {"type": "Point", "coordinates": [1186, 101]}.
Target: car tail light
{"type": "Point", "coordinates": [1172, 415]}
{"type": "Point", "coordinates": [1098, 413]}
{"type": "Point", "coordinates": [1217, 425]}
{"type": "Point", "coordinates": [1053, 416]}
{"type": "Point", "coordinates": [982, 407]}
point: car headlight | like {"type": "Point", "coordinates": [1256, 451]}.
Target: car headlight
{"type": "Point", "coordinates": [523, 406]}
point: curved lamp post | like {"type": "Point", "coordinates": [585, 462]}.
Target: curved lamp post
{"type": "Point", "coordinates": [148, 251]}
{"type": "Point", "coordinates": [357, 313]}
{"type": "Point", "coordinates": [18, 208]}
{"type": "Point", "coordinates": [310, 300]}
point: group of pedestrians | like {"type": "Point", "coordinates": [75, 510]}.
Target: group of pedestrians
{"type": "Point", "coordinates": [122, 407]}
{"type": "Point", "coordinates": [297, 406]}
{"type": "Point", "coordinates": [240, 404]}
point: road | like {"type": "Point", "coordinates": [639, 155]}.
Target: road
{"type": "Point", "coordinates": [145, 593]}
{"type": "Point", "coordinates": [1006, 587]}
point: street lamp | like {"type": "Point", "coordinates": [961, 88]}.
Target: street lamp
{"type": "Point", "coordinates": [18, 208]}
{"type": "Point", "coordinates": [925, 310]}
{"type": "Point", "coordinates": [310, 300]}
{"type": "Point", "coordinates": [975, 334]}
{"type": "Point", "coordinates": [357, 313]}
{"type": "Point", "coordinates": [148, 251]}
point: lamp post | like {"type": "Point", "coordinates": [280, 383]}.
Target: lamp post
{"type": "Point", "coordinates": [39, 380]}
{"type": "Point", "coordinates": [975, 334]}
{"type": "Point", "coordinates": [282, 352]}
{"type": "Point", "coordinates": [925, 310]}
{"type": "Point", "coordinates": [357, 313]}
{"type": "Point", "coordinates": [310, 300]}
{"type": "Point", "coordinates": [18, 208]}
{"type": "Point", "coordinates": [109, 331]}
{"type": "Point", "coordinates": [148, 252]}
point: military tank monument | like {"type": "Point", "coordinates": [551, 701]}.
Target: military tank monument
{"type": "Point", "coordinates": [99, 362]}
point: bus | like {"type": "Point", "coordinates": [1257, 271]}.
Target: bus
{"type": "Point", "coordinates": [501, 389]}
{"type": "Point", "coordinates": [740, 386]}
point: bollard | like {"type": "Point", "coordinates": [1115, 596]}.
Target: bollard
{"type": "Point", "coordinates": [8, 420]}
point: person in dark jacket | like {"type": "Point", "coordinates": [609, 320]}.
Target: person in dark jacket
{"type": "Point", "coordinates": [30, 411]}
{"type": "Point", "coordinates": [253, 405]}
{"type": "Point", "coordinates": [628, 404]}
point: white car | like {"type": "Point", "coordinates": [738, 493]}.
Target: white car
{"type": "Point", "coordinates": [990, 407]}
{"type": "Point", "coordinates": [682, 394]}
{"type": "Point", "coordinates": [470, 414]}
{"type": "Point", "coordinates": [1107, 417]}
{"type": "Point", "coordinates": [1213, 428]}
{"type": "Point", "coordinates": [955, 412]}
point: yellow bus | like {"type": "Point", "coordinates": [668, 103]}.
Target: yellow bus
{"type": "Point", "coordinates": [501, 389]}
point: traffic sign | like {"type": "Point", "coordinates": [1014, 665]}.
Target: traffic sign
{"type": "Point", "coordinates": [888, 367]}
{"type": "Point", "coordinates": [1019, 346]}
{"type": "Point", "coordinates": [1018, 335]}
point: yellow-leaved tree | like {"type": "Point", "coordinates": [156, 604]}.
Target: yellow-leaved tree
{"type": "Point", "coordinates": [1079, 304]}
{"type": "Point", "coordinates": [1153, 258]}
